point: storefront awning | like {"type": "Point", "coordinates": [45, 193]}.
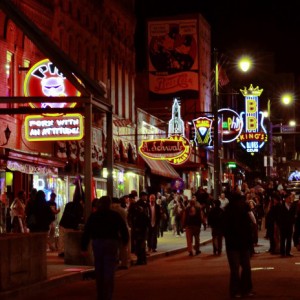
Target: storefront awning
{"type": "Point", "coordinates": [161, 167]}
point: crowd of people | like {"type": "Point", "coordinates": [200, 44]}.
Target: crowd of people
{"type": "Point", "coordinates": [236, 216]}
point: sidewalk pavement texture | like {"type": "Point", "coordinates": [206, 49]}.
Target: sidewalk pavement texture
{"type": "Point", "coordinates": [58, 273]}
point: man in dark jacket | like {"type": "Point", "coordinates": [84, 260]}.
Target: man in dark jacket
{"type": "Point", "coordinates": [215, 221]}
{"type": "Point", "coordinates": [138, 220]}
{"type": "Point", "coordinates": [238, 240]}
{"type": "Point", "coordinates": [70, 220]}
{"type": "Point", "coordinates": [104, 227]}
{"type": "Point", "coordinates": [154, 212]}
{"type": "Point", "coordinates": [286, 220]}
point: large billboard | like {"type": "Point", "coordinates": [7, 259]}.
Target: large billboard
{"type": "Point", "coordinates": [173, 56]}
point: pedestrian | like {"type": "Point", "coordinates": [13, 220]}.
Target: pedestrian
{"type": "Point", "coordinates": [271, 221]}
{"type": "Point", "coordinates": [105, 228]}
{"type": "Point", "coordinates": [138, 220]}
{"type": "Point", "coordinates": [223, 200]}
{"type": "Point", "coordinates": [55, 210]}
{"type": "Point", "coordinates": [70, 220]}
{"type": "Point", "coordinates": [296, 235]}
{"type": "Point", "coordinates": [238, 242]}
{"type": "Point", "coordinates": [215, 221]}
{"type": "Point", "coordinates": [153, 229]}
{"type": "Point", "coordinates": [124, 250]}
{"type": "Point", "coordinates": [192, 224]}
{"type": "Point", "coordinates": [39, 214]}
{"type": "Point", "coordinates": [286, 220]}
{"type": "Point", "coordinates": [17, 213]}
{"type": "Point", "coordinates": [178, 213]}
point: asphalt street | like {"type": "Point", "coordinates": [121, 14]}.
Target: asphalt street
{"type": "Point", "coordinates": [181, 277]}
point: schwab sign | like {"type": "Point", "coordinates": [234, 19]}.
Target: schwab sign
{"type": "Point", "coordinates": [175, 149]}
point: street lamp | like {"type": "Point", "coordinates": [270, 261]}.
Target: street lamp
{"type": "Point", "coordinates": [286, 99]}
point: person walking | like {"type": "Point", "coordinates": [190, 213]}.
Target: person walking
{"type": "Point", "coordinates": [192, 224]}
{"type": "Point", "coordinates": [105, 227]}
{"type": "Point", "coordinates": [39, 214]}
{"type": "Point", "coordinates": [215, 221]}
{"type": "Point", "coordinates": [70, 220]}
{"type": "Point", "coordinates": [124, 250]}
{"type": "Point", "coordinates": [17, 213]}
{"type": "Point", "coordinates": [271, 221]}
{"type": "Point", "coordinates": [286, 220]}
{"type": "Point", "coordinates": [51, 235]}
{"type": "Point", "coordinates": [138, 220]}
{"type": "Point", "coordinates": [154, 213]}
{"type": "Point", "coordinates": [238, 242]}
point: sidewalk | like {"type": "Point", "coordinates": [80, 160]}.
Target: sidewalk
{"type": "Point", "coordinates": [58, 273]}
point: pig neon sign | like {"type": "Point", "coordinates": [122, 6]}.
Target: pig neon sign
{"type": "Point", "coordinates": [254, 135]}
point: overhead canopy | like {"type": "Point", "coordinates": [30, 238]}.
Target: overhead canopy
{"type": "Point", "coordinates": [161, 167]}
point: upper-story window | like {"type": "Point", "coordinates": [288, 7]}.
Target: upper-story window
{"type": "Point", "coordinates": [9, 66]}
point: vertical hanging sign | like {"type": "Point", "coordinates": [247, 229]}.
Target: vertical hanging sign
{"type": "Point", "coordinates": [254, 134]}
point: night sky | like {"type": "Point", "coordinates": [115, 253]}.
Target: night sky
{"type": "Point", "coordinates": [257, 25]}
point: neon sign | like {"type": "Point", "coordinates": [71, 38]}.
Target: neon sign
{"type": "Point", "coordinates": [45, 80]}
{"type": "Point", "coordinates": [232, 124]}
{"type": "Point", "coordinates": [52, 128]}
{"type": "Point", "coordinates": [176, 124]}
{"type": "Point", "coordinates": [254, 136]}
{"type": "Point", "coordinates": [175, 149]}
{"type": "Point", "coordinates": [202, 127]}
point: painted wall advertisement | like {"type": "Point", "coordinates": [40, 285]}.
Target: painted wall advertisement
{"type": "Point", "coordinates": [172, 56]}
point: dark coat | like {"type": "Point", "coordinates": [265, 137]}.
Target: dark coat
{"type": "Point", "coordinates": [237, 225]}
{"type": "Point", "coordinates": [286, 217]}
{"type": "Point", "coordinates": [157, 214]}
{"type": "Point", "coordinates": [39, 216]}
{"type": "Point", "coordinates": [72, 215]}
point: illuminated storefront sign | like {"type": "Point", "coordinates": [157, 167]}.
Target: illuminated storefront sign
{"type": "Point", "coordinates": [175, 149]}
{"type": "Point", "coordinates": [254, 136]}
{"type": "Point", "coordinates": [232, 124]}
{"type": "Point", "coordinates": [202, 127]}
{"type": "Point", "coordinates": [45, 80]}
{"type": "Point", "coordinates": [52, 128]}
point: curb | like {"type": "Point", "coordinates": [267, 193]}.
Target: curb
{"type": "Point", "coordinates": [29, 291]}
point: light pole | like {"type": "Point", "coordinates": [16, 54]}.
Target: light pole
{"type": "Point", "coordinates": [216, 129]}
{"type": "Point", "coordinates": [270, 137]}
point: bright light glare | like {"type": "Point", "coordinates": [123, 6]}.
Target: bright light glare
{"type": "Point", "coordinates": [266, 114]}
{"type": "Point", "coordinates": [287, 99]}
{"type": "Point", "coordinates": [245, 63]}
{"type": "Point", "coordinates": [292, 123]}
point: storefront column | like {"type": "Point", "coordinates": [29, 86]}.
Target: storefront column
{"type": "Point", "coordinates": [88, 159]}
{"type": "Point", "coordinates": [109, 146]}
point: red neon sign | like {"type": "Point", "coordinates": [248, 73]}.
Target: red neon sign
{"type": "Point", "coordinates": [45, 80]}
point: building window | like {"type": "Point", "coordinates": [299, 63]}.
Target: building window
{"type": "Point", "coordinates": [9, 66]}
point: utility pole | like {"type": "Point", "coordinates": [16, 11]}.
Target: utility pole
{"type": "Point", "coordinates": [216, 129]}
